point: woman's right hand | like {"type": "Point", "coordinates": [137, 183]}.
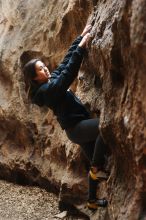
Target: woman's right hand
{"type": "Point", "coordinates": [85, 40]}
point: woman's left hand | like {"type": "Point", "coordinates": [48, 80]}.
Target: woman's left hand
{"type": "Point", "coordinates": [85, 40]}
{"type": "Point", "coordinates": [86, 30]}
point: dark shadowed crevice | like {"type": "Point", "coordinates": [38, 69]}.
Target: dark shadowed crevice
{"type": "Point", "coordinates": [28, 55]}
{"type": "Point", "coordinates": [97, 82]}
{"type": "Point", "coordinates": [6, 84]}
{"type": "Point", "coordinates": [94, 2]}
{"type": "Point", "coordinates": [4, 75]}
{"type": "Point", "coordinates": [143, 207]}
{"type": "Point", "coordinates": [117, 63]}
{"type": "Point", "coordinates": [24, 178]}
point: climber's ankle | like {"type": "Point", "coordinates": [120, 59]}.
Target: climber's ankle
{"type": "Point", "coordinates": [97, 174]}
{"type": "Point", "coordinates": [94, 169]}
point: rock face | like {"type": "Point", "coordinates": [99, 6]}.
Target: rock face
{"type": "Point", "coordinates": [34, 149]}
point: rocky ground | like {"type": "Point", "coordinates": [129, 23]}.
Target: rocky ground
{"type": "Point", "coordinates": [25, 203]}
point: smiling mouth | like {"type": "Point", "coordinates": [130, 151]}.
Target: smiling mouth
{"type": "Point", "coordinates": [47, 74]}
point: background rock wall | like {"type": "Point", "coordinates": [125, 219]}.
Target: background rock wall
{"type": "Point", "coordinates": [112, 84]}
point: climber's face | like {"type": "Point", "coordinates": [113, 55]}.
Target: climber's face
{"type": "Point", "coordinates": [42, 72]}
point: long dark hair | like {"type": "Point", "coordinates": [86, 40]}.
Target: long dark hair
{"type": "Point", "coordinates": [29, 74]}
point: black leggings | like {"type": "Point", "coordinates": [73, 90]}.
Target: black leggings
{"type": "Point", "coordinates": [86, 134]}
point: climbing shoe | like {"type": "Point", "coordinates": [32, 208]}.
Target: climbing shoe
{"type": "Point", "coordinates": [94, 204]}
{"type": "Point", "coordinates": [99, 175]}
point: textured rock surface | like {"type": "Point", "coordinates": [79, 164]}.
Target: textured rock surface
{"type": "Point", "coordinates": [33, 147]}
{"type": "Point", "coordinates": [118, 63]}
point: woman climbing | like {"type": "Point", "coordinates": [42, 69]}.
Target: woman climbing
{"type": "Point", "coordinates": [52, 90]}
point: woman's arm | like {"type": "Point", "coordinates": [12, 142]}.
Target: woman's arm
{"type": "Point", "coordinates": [69, 53]}
{"type": "Point", "coordinates": [71, 49]}
{"type": "Point", "coordinates": [60, 83]}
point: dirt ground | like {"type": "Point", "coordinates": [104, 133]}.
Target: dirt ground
{"type": "Point", "coordinates": [23, 202]}
{"type": "Point", "coordinates": [28, 202]}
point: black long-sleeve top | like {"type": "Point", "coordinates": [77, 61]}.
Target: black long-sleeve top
{"type": "Point", "coordinates": [56, 94]}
